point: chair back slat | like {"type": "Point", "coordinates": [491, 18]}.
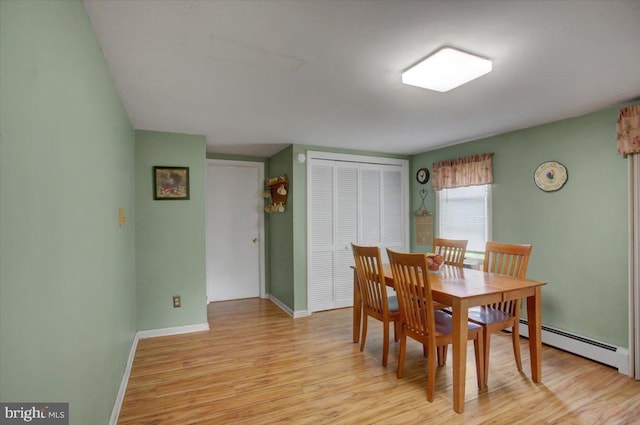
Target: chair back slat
{"type": "Point", "coordinates": [452, 250]}
{"type": "Point", "coordinates": [507, 259]}
{"type": "Point", "coordinates": [371, 278]}
{"type": "Point", "coordinates": [411, 281]}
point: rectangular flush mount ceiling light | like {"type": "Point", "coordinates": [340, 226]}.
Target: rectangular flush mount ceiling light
{"type": "Point", "coordinates": [446, 69]}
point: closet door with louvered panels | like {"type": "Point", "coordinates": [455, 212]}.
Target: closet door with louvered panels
{"type": "Point", "coordinates": [349, 202]}
{"type": "Point", "coordinates": [334, 217]}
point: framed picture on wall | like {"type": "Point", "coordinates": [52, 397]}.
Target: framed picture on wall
{"type": "Point", "coordinates": [170, 183]}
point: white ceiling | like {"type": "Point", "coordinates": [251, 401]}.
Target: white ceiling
{"type": "Point", "coordinates": [254, 76]}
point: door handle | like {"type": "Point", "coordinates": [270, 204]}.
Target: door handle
{"type": "Point", "coordinates": [254, 240]}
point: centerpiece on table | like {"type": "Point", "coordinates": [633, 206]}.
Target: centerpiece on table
{"type": "Point", "coordinates": [434, 262]}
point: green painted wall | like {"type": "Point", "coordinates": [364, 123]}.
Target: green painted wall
{"type": "Point", "coordinates": [579, 234]}
{"type": "Point", "coordinates": [170, 235]}
{"type": "Point", "coordinates": [279, 229]}
{"type": "Point", "coordinates": [67, 269]}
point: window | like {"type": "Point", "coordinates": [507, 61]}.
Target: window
{"type": "Point", "coordinates": [465, 213]}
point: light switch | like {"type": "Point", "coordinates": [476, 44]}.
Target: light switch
{"type": "Point", "coordinates": [122, 216]}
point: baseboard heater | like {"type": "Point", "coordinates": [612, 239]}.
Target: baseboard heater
{"type": "Point", "coordinates": [600, 352]}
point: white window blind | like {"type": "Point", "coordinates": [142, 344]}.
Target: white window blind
{"type": "Point", "coordinates": [465, 213]}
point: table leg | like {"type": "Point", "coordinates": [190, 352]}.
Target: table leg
{"type": "Point", "coordinates": [460, 316]}
{"type": "Point", "coordinates": [534, 317]}
{"type": "Point", "coordinates": [357, 307]}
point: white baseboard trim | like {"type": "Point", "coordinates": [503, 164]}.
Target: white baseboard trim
{"type": "Point", "coordinates": [117, 405]}
{"type": "Point", "coordinates": [301, 313]}
{"type": "Point", "coordinates": [282, 305]}
{"type": "Point", "coordinates": [177, 330]}
{"type": "Point", "coordinates": [286, 309]}
{"type": "Point", "coordinates": [600, 352]}
{"type": "Point", "coordinates": [152, 333]}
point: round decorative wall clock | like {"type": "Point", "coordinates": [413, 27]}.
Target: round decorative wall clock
{"type": "Point", "coordinates": [550, 176]}
{"type": "Point", "coordinates": [422, 176]}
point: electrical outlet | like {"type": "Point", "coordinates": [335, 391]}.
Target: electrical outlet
{"type": "Point", "coordinates": [176, 301]}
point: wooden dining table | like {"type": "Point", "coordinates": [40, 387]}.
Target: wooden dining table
{"type": "Point", "coordinates": [462, 288]}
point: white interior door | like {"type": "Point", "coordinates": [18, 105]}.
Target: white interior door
{"type": "Point", "coordinates": [235, 247]}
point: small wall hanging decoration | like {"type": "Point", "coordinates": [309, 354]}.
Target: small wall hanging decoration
{"type": "Point", "coordinates": [424, 230]}
{"type": "Point", "coordinates": [422, 209]}
{"type": "Point", "coordinates": [550, 176]}
{"type": "Point", "coordinates": [277, 191]}
{"type": "Point", "coordinates": [170, 183]}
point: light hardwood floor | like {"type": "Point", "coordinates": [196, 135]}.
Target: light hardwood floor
{"type": "Point", "coordinates": [259, 366]}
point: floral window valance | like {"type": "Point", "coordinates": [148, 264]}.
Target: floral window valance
{"type": "Point", "coordinates": [468, 171]}
{"type": "Point", "coordinates": [629, 130]}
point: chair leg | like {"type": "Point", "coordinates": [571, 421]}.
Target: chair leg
{"type": "Point", "coordinates": [487, 346]}
{"type": "Point", "coordinates": [442, 354]}
{"type": "Point", "coordinates": [396, 330]}
{"type": "Point", "coordinates": [515, 338]}
{"type": "Point", "coordinates": [431, 378]}
{"type": "Point", "coordinates": [385, 343]}
{"type": "Point", "coordinates": [478, 347]}
{"type": "Point", "coordinates": [403, 349]}
{"type": "Point", "coordinates": [364, 331]}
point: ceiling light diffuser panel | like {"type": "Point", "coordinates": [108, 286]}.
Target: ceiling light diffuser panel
{"type": "Point", "coordinates": [446, 69]}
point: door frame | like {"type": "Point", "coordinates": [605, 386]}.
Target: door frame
{"type": "Point", "coordinates": [332, 156]}
{"type": "Point", "coordinates": [259, 206]}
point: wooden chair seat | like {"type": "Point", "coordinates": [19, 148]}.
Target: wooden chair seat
{"type": "Point", "coordinates": [392, 303]}
{"type": "Point", "coordinates": [485, 315]}
{"type": "Point", "coordinates": [444, 326]}
{"type": "Point", "coordinates": [488, 315]}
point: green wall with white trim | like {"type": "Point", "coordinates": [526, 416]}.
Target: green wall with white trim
{"type": "Point", "coordinates": [170, 235]}
{"type": "Point", "coordinates": [67, 269]}
{"type": "Point", "coordinates": [579, 233]}
{"type": "Point", "coordinates": [280, 235]}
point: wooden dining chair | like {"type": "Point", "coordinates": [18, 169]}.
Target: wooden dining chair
{"type": "Point", "coordinates": [373, 290]}
{"type": "Point", "coordinates": [421, 321]}
{"type": "Point", "coordinates": [452, 250]}
{"type": "Point", "coordinates": [511, 260]}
